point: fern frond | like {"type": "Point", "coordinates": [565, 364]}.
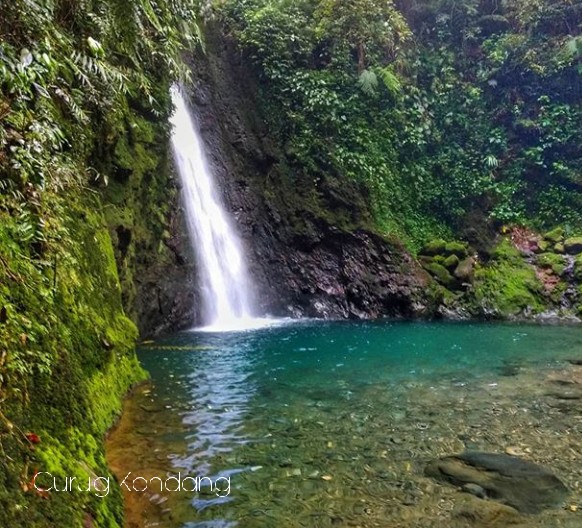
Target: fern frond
{"type": "Point", "coordinates": [390, 80]}
{"type": "Point", "coordinates": [368, 82]}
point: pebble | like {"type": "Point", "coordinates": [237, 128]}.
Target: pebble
{"type": "Point", "coordinates": [515, 451]}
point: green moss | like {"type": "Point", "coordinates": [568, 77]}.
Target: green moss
{"type": "Point", "coordinates": [456, 248]}
{"type": "Point", "coordinates": [560, 248]}
{"type": "Point", "coordinates": [552, 261]}
{"type": "Point", "coordinates": [507, 285]}
{"type": "Point", "coordinates": [543, 246]}
{"type": "Point", "coordinates": [555, 235]}
{"type": "Point", "coordinates": [451, 262]}
{"type": "Point", "coordinates": [441, 274]}
{"type": "Point", "coordinates": [434, 247]}
{"type": "Point", "coordinates": [71, 360]}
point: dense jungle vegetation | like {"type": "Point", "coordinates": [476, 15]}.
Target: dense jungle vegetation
{"type": "Point", "coordinates": [442, 107]}
{"type": "Point", "coordinates": [83, 113]}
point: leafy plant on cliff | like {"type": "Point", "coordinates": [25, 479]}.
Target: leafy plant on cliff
{"type": "Point", "coordinates": [441, 107]}
{"type": "Point", "coordinates": [73, 77]}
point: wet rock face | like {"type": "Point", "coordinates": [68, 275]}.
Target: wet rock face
{"type": "Point", "coordinates": [306, 236]}
{"type": "Point", "coordinates": [350, 275]}
{"type": "Point", "coordinates": [510, 480]}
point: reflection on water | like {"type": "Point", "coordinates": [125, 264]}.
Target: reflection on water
{"type": "Point", "coordinates": [220, 389]}
{"type": "Point", "coordinates": [331, 424]}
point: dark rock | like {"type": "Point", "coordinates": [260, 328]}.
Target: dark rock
{"type": "Point", "coordinates": [510, 480]}
{"type": "Point", "coordinates": [573, 246]}
{"type": "Point", "coordinates": [307, 236]}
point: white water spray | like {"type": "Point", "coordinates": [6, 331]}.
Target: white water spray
{"type": "Point", "coordinates": [225, 284]}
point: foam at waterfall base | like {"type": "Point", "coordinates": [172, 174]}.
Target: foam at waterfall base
{"type": "Point", "coordinates": [244, 324]}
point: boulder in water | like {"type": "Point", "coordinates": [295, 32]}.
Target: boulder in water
{"type": "Point", "coordinates": [510, 480]}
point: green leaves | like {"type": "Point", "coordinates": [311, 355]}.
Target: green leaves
{"type": "Point", "coordinates": [368, 82]}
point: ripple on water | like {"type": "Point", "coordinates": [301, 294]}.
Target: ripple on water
{"type": "Point", "coordinates": [332, 424]}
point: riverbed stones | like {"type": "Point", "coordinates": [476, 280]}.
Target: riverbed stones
{"type": "Point", "coordinates": [510, 480]}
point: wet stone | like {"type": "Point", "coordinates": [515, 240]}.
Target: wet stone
{"type": "Point", "coordinates": [510, 480]}
{"type": "Point", "coordinates": [475, 490]}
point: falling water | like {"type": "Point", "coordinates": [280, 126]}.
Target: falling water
{"type": "Point", "coordinates": [226, 288]}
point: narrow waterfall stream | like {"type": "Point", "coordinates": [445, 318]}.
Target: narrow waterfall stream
{"type": "Point", "coordinates": [227, 292]}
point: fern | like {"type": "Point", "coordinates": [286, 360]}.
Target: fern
{"type": "Point", "coordinates": [390, 80]}
{"type": "Point", "coordinates": [368, 82]}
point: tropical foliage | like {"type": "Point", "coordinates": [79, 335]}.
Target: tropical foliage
{"type": "Point", "coordinates": [77, 78]}
{"type": "Point", "coordinates": [440, 107]}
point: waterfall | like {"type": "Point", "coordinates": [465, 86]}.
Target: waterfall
{"type": "Point", "coordinates": [225, 285]}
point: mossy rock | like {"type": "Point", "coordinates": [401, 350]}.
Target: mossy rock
{"type": "Point", "coordinates": [451, 262]}
{"type": "Point", "coordinates": [543, 246]}
{"type": "Point", "coordinates": [555, 235]}
{"type": "Point", "coordinates": [552, 261]}
{"type": "Point", "coordinates": [559, 248]}
{"type": "Point", "coordinates": [505, 250]}
{"type": "Point", "coordinates": [456, 248]}
{"type": "Point", "coordinates": [434, 247]}
{"type": "Point", "coordinates": [425, 260]}
{"type": "Point", "coordinates": [439, 259]}
{"type": "Point", "coordinates": [441, 274]}
{"type": "Point", "coordinates": [508, 285]}
{"type": "Point", "coordinates": [573, 245]}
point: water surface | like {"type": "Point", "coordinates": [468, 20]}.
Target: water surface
{"type": "Point", "coordinates": [331, 424]}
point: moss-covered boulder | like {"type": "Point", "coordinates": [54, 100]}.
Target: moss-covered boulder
{"type": "Point", "coordinates": [451, 262]}
{"type": "Point", "coordinates": [559, 248]}
{"type": "Point", "coordinates": [441, 274]}
{"type": "Point", "coordinates": [555, 235]}
{"type": "Point", "coordinates": [508, 286]}
{"type": "Point", "coordinates": [542, 246]}
{"type": "Point", "coordinates": [552, 261]}
{"type": "Point", "coordinates": [573, 245]}
{"type": "Point", "coordinates": [456, 248]}
{"type": "Point", "coordinates": [434, 247]}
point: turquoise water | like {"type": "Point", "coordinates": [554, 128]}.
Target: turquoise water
{"type": "Point", "coordinates": [330, 424]}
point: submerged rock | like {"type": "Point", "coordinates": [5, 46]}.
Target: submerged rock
{"type": "Point", "coordinates": [510, 480]}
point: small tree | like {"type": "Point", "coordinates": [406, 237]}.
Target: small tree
{"type": "Point", "coordinates": [371, 29]}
